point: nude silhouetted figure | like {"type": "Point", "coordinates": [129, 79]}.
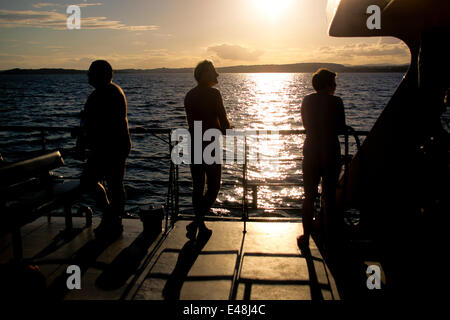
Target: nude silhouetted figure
{"type": "Point", "coordinates": [105, 133]}
{"type": "Point", "coordinates": [204, 103]}
{"type": "Point", "coordinates": [324, 119]}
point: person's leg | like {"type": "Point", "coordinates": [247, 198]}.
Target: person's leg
{"type": "Point", "coordinates": [114, 180]}
{"type": "Point", "coordinates": [111, 225]}
{"type": "Point", "coordinates": [329, 184]}
{"type": "Point", "coordinates": [213, 178]}
{"type": "Point", "coordinates": [90, 182]}
{"type": "Point", "coordinates": [311, 179]}
{"type": "Point", "coordinates": [198, 188]}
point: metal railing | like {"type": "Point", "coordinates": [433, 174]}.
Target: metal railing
{"type": "Point", "coordinates": [173, 194]}
{"type": "Point", "coordinates": [41, 138]}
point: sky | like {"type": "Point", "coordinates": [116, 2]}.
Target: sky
{"type": "Point", "coordinates": [146, 34]}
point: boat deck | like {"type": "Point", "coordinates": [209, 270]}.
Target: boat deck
{"type": "Point", "coordinates": [262, 264]}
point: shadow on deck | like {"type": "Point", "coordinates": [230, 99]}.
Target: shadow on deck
{"type": "Point", "coordinates": [263, 263]}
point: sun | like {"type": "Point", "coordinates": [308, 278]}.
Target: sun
{"type": "Point", "coordinates": [272, 8]}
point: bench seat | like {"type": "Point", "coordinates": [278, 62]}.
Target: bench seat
{"type": "Point", "coordinates": [25, 207]}
{"type": "Point", "coordinates": [28, 190]}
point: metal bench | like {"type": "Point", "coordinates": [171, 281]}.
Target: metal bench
{"type": "Point", "coordinates": [28, 190]}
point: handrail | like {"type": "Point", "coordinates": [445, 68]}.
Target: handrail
{"type": "Point", "coordinates": [69, 129]}
{"type": "Point", "coordinates": [173, 182]}
{"type": "Point", "coordinates": [140, 129]}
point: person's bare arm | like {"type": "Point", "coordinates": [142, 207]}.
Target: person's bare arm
{"type": "Point", "coordinates": [124, 134]}
{"type": "Point", "coordinates": [340, 117]}
{"type": "Point", "coordinates": [304, 114]}
{"type": "Point", "coordinates": [223, 118]}
{"type": "Point", "coordinates": [122, 102]}
{"type": "Point", "coordinates": [88, 130]}
{"type": "Point", "coordinates": [187, 107]}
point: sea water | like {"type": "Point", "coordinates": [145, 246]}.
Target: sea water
{"type": "Point", "coordinates": [269, 101]}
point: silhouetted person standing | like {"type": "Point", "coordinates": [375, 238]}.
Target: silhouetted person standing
{"type": "Point", "coordinates": [107, 137]}
{"type": "Point", "coordinates": [323, 118]}
{"type": "Point", "coordinates": [204, 103]}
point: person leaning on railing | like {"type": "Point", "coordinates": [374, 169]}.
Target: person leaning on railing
{"type": "Point", "coordinates": [324, 119]}
{"type": "Point", "coordinates": [204, 103]}
{"type": "Point", "coordinates": [104, 131]}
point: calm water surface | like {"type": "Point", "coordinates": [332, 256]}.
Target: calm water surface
{"type": "Point", "coordinates": [253, 101]}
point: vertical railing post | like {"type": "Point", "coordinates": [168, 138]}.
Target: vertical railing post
{"type": "Point", "coordinates": [244, 184]}
{"type": "Point", "coordinates": [345, 157]}
{"type": "Point", "coordinates": [177, 195]}
{"type": "Point", "coordinates": [169, 191]}
{"type": "Point", "coordinates": [255, 196]}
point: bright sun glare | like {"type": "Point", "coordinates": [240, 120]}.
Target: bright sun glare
{"type": "Point", "coordinates": [272, 8]}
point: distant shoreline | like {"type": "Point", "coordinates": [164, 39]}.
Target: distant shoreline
{"type": "Point", "coordinates": [272, 68]}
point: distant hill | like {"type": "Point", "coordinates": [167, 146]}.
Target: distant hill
{"type": "Point", "coordinates": [42, 71]}
{"type": "Point", "coordinates": [275, 68]}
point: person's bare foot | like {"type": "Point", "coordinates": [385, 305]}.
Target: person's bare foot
{"type": "Point", "coordinates": [303, 244]}
{"type": "Point", "coordinates": [191, 230]}
{"type": "Point", "coordinates": [204, 234]}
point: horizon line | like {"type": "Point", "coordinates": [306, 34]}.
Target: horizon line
{"type": "Point", "coordinates": [381, 65]}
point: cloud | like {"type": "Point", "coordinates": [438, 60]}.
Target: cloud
{"type": "Point", "coordinates": [389, 40]}
{"type": "Point", "coordinates": [65, 58]}
{"type": "Point", "coordinates": [394, 50]}
{"type": "Point", "coordinates": [46, 4]}
{"type": "Point", "coordinates": [59, 5]}
{"type": "Point", "coordinates": [156, 52]}
{"type": "Point", "coordinates": [57, 21]}
{"type": "Point", "coordinates": [235, 52]}
{"type": "Point", "coordinates": [82, 5]}
{"type": "Point", "coordinates": [56, 47]}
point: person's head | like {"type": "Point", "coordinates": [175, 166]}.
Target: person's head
{"type": "Point", "coordinates": [206, 74]}
{"type": "Point", "coordinates": [100, 73]}
{"type": "Point", "coordinates": [324, 81]}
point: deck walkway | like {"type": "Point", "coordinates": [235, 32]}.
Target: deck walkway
{"type": "Point", "coordinates": [263, 263]}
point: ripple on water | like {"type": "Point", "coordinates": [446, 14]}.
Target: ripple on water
{"type": "Point", "coordinates": [255, 101]}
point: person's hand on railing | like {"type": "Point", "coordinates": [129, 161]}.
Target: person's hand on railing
{"type": "Point", "coordinates": [230, 127]}
{"type": "Point", "coordinates": [140, 129]}
{"type": "Point", "coordinates": [352, 132]}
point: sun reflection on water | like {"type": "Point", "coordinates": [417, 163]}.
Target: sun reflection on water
{"type": "Point", "coordinates": [272, 102]}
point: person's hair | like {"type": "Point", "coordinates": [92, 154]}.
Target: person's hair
{"type": "Point", "coordinates": [101, 70]}
{"type": "Point", "coordinates": [322, 79]}
{"type": "Point", "coordinates": [203, 66]}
